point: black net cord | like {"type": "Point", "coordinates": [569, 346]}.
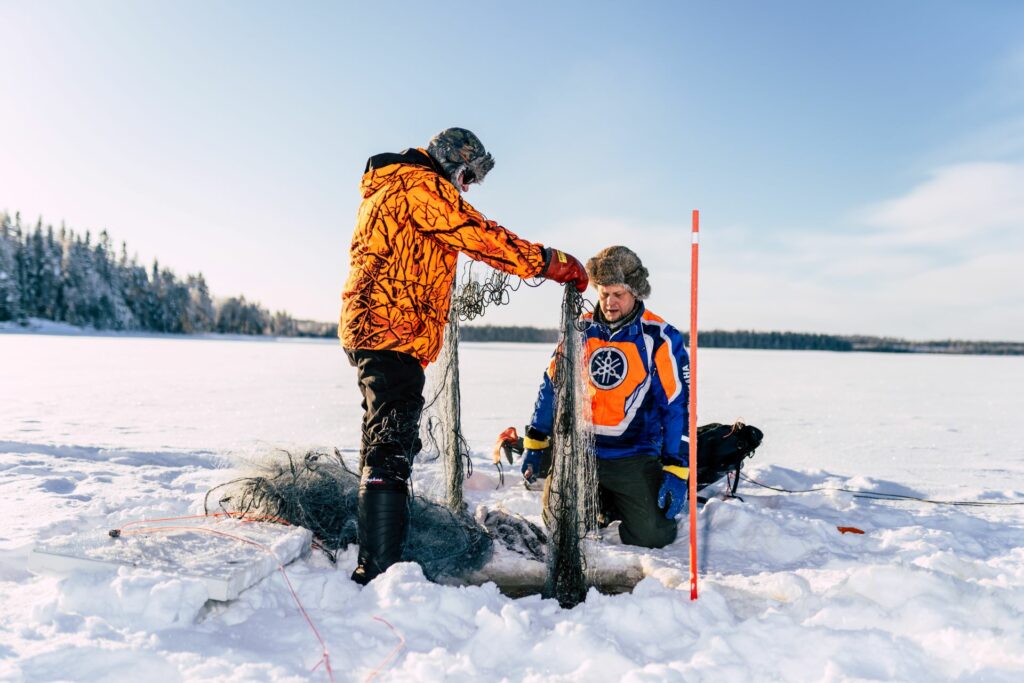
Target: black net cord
{"type": "Point", "coordinates": [443, 411]}
{"type": "Point", "coordinates": [572, 497]}
{"type": "Point", "coordinates": [453, 441]}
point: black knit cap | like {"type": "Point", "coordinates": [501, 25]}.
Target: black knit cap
{"type": "Point", "coordinates": [619, 265]}
{"type": "Point", "coordinates": [461, 155]}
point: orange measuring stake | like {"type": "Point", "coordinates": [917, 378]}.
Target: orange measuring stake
{"type": "Point", "coordinates": [694, 247]}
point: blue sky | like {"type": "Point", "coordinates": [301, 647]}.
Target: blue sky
{"type": "Point", "coordinates": [859, 167]}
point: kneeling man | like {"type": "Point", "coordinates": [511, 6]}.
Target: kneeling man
{"type": "Point", "coordinates": [639, 386]}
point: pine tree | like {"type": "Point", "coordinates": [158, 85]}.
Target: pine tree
{"type": "Point", "coordinates": [112, 312]}
{"type": "Point", "coordinates": [10, 291]}
{"type": "Point", "coordinates": [77, 282]}
{"type": "Point", "coordinates": [201, 313]}
{"type": "Point", "coordinates": [175, 303]}
{"type": "Point", "coordinates": [50, 276]}
{"type": "Point", "coordinates": [155, 319]}
{"type": "Point", "coordinates": [236, 315]}
{"type": "Point", "coordinates": [283, 325]}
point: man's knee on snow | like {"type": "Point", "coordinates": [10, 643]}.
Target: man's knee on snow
{"type": "Point", "coordinates": [652, 531]}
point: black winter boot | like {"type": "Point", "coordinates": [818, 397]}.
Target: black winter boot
{"type": "Point", "coordinates": [383, 520]}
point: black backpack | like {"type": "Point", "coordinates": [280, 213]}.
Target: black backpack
{"type": "Point", "coordinates": [721, 450]}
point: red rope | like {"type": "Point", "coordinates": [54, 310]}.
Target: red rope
{"type": "Point", "coordinates": [392, 654]}
{"type": "Point", "coordinates": [325, 659]}
{"type": "Point", "coordinates": [241, 516]}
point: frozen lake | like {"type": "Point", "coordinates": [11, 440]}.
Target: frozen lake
{"type": "Point", "coordinates": [100, 431]}
{"type": "Point", "coordinates": [927, 420]}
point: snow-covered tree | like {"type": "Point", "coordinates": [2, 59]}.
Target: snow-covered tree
{"type": "Point", "coordinates": [283, 325]}
{"type": "Point", "coordinates": [201, 314]}
{"type": "Point", "coordinates": [236, 315]}
{"type": "Point", "coordinates": [10, 290]}
{"type": "Point", "coordinates": [83, 282]}
{"type": "Point", "coordinates": [45, 273]}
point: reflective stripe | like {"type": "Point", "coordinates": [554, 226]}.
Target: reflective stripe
{"type": "Point", "coordinates": [681, 472]}
{"type": "Point", "coordinates": [668, 370]}
{"type": "Point", "coordinates": [536, 444]}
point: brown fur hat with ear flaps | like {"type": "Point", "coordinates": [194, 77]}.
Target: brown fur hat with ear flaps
{"type": "Point", "coordinates": [619, 265]}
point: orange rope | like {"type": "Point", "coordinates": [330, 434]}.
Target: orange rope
{"type": "Point", "coordinates": [325, 659]}
{"type": "Point", "coordinates": [393, 653]}
{"type": "Point", "coordinates": [242, 516]}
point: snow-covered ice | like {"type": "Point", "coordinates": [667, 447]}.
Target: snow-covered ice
{"type": "Point", "coordinates": [97, 431]}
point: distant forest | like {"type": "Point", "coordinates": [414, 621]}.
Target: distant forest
{"type": "Point", "coordinates": [72, 278]}
{"type": "Point", "coordinates": [68, 277]}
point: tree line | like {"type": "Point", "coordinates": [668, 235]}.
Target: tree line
{"type": "Point", "coordinates": [791, 341]}
{"type": "Point", "coordinates": [75, 278]}
{"type": "Point", "coordinates": [488, 333]}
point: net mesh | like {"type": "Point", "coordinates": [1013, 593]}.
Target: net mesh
{"type": "Point", "coordinates": [441, 429]}
{"type": "Point", "coordinates": [572, 501]}
{"type": "Point", "coordinates": [320, 492]}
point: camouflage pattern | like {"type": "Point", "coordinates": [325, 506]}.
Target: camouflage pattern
{"type": "Point", "coordinates": [412, 224]}
{"type": "Point", "coordinates": [457, 149]}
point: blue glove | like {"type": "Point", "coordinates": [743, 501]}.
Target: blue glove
{"type": "Point", "coordinates": [531, 464]}
{"type": "Point", "coordinates": [674, 490]}
{"type": "Point", "coordinates": [535, 443]}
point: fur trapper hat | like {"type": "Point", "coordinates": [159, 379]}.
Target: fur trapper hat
{"type": "Point", "coordinates": [618, 265]}
{"type": "Point", "coordinates": [461, 155]}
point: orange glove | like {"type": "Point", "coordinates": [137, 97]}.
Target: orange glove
{"type": "Point", "coordinates": [509, 442]}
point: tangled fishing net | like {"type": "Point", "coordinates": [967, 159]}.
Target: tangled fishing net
{"type": "Point", "coordinates": [320, 492]}
{"type": "Point", "coordinates": [571, 507]}
{"type": "Point", "coordinates": [442, 415]}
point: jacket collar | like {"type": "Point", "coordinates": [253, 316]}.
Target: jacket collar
{"type": "Point", "coordinates": [413, 156]}
{"type": "Point", "coordinates": [631, 327]}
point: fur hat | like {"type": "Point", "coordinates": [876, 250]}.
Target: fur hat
{"type": "Point", "coordinates": [461, 155]}
{"type": "Point", "coordinates": [618, 265]}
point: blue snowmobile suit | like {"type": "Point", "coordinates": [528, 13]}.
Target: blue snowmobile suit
{"type": "Point", "coordinates": [639, 380]}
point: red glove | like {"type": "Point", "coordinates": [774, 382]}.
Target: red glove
{"type": "Point", "coordinates": [562, 268]}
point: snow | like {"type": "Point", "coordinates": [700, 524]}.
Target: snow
{"type": "Point", "coordinates": [190, 548]}
{"type": "Point", "coordinates": [97, 431]}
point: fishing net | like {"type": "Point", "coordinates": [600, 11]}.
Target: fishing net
{"type": "Point", "coordinates": [320, 492]}
{"type": "Point", "coordinates": [441, 429]}
{"type": "Point", "coordinates": [515, 532]}
{"type": "Point", "coordinates": [442, 421]}
{"type": "Point", "coordinates": [571, 504]}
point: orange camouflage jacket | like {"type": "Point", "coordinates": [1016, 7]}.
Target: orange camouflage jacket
{"type": "Point", "coordinates": [411, 225]}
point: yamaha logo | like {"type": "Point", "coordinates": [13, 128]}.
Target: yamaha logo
{"type": "Point", "coordinates": [608, 367]}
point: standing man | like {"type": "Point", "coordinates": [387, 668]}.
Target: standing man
{"type": "Point", "coordinates": [411, 226]}
{"type": "Point", "coordinates": [639, 377]}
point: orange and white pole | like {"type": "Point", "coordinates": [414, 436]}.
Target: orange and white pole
{"type": "Point", "coordinates": [694, 249]}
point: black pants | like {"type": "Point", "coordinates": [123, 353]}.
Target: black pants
{"type": "Point", "coordinates": [392, 387]}
{"type": "Point", "coordinates": [629, 491]}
